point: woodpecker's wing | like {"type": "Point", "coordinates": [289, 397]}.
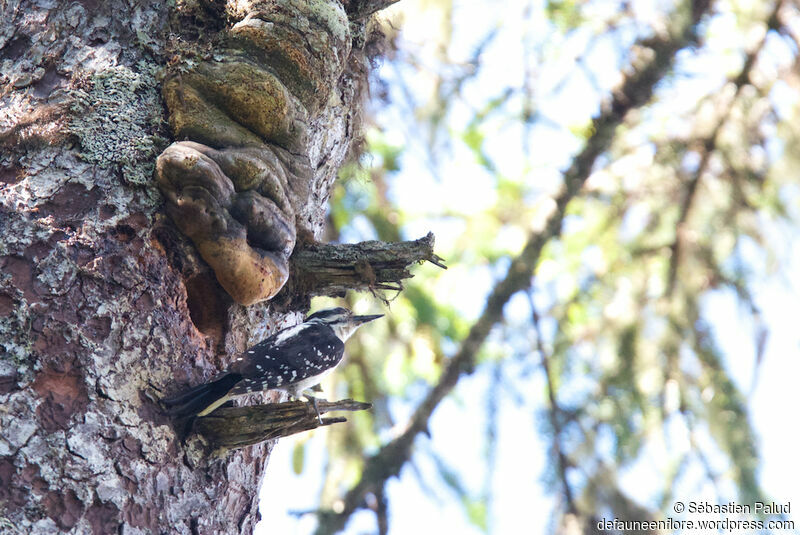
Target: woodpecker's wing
{"type": "Point", "coordinates": [290, 356]}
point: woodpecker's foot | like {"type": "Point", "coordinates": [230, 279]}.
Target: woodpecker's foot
{"type": "Point", "coordinates": [313, 402]}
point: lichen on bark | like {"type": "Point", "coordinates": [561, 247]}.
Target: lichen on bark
{"type": "Point", "coordinates": [109, 138]}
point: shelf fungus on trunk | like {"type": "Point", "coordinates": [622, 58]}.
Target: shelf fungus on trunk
{"type": "Point", "coordinates": [239, 186]}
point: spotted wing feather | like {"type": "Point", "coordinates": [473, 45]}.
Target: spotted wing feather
{"type": "Point", "coordinates": [287, 358]}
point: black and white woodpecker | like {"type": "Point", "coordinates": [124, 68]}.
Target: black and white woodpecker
{"type": "Point", "coordinates": [294, 359]}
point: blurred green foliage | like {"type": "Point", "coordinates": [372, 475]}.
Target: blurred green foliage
{"type": "Point", "coordinates": [706, 171]}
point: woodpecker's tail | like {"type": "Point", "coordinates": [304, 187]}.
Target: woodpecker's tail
{"type": "Point", "coordinates": [195, 400]}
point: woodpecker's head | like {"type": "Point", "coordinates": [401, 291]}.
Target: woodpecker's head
{"type": "Point", "coordinates": [341, 320]}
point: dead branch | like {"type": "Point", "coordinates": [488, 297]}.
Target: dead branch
{"type": "Point", "coordinates": [332, 269]}
{"type": "Point", "coordinates": [230, 428]}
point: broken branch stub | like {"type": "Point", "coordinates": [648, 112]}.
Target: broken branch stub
{"type": "Point", "coordinates": [332, 269]}
{"type": "Point", "coordinates": [235, 427]}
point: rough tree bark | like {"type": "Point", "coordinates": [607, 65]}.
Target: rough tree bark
{"type": "Point", "coordinates": [104, 305]}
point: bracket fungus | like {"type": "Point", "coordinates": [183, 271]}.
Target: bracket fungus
{"type": "Point", "coordinates": [237, 188]}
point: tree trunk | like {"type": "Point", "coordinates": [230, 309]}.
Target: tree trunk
{"type": "Point", "coordinates": [105, 306]}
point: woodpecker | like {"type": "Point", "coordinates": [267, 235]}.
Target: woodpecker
{"type": "Point", "coordinates": [294, 359]}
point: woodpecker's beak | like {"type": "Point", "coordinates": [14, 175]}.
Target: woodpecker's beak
{"type": "Point", "coordinates": [361, 320]}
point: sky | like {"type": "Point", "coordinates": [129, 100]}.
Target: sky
{"type": "Point", "coordinates": [521, 496]}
